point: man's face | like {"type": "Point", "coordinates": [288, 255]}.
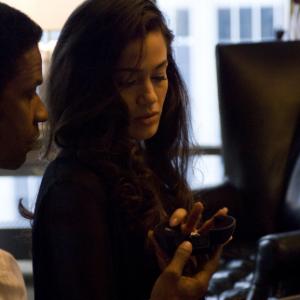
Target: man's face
{"type": "Point", "coordinates": [21, 109]}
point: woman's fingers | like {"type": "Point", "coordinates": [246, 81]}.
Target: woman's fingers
{"type": "Point", "coordinates": [208, 224]}
{"type": "Point", "coordinates": [180, 258]}
{"type": "Point", "coordinates": [193, 218]}
{"type": "Point", "coordinates": [178, 217]}
{"type": "Point", "coordinates": [161, 256]}
{"type": "Point", "coordinates": [208, 268]}
{"type": "Point", "coordinates": [171, 284]}
{"type": "Point", "coordinates": [221, 212]}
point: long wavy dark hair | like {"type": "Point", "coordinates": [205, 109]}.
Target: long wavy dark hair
{"type": "Point", "coordinates": [86, 112]}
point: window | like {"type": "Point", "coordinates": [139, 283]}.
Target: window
{"type": "Point", "coordinates": [224, 25]}
{"type": "Point", "coordinates": [198, 26]}
{"type": "Point", "coordinates": [182, 56]}
{"type": "Point", "coordinates": [245, 24]}
{"type": "Point", "coordinates": [267, 23]}
{"type": "Point", "coordinates": [182, 22]}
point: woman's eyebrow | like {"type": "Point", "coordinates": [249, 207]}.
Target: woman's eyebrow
{"type": "Point", "coordinates": [136, 69]}
{"type": "Point", "coordinates": [162, 64]}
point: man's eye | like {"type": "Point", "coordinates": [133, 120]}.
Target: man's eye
{"type": "Point", "coordinates": [31, 93]}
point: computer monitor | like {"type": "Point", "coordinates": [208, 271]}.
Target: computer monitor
{"type": "Point", "coordinates": [259, 101]}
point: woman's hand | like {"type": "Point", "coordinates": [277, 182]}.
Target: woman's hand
{"type": "Point", "coordinates": [193, 222]}
{"type": "Point", "coordinates": [172, 285]}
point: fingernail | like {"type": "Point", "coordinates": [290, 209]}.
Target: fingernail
{"type": "Point", "coordinates": [150, 233]}
{"type": "Point", "coordinates": [174, 222]}
{"type": "Point", "coordinates": [186, 245]}
{"type": "Point", "coordinates": [200, 204]}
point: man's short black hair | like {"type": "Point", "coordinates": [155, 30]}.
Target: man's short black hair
{"type": "Point", "coordinates": [18, 33]}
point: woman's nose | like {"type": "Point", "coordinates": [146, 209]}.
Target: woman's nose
{"type": "Point", "coordinates": [148, 94]}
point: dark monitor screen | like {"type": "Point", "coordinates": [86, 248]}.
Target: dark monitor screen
{"type": "Point", "coordinates": [259, 101]}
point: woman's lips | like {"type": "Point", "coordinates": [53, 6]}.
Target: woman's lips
{"type": "Point", "coordinates": [148, 119]}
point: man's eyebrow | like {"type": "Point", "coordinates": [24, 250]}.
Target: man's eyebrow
{"type": "Point", "coordinates": [160, 65]}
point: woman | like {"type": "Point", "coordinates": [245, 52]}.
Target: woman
{"type": "Point", "coordinates": [118, 116]}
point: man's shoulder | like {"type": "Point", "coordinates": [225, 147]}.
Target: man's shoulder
{"type": "Point", "coordinates": [10, 274]}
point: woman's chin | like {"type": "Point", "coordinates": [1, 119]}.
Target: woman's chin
{"type": "Point", "coordinates": [141, 134]}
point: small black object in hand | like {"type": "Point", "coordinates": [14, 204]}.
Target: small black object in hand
{"type": "Point", "coordinates": [169, 238]}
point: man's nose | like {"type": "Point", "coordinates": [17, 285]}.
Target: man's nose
{"type": "Point", "coordinates": [41, 113]}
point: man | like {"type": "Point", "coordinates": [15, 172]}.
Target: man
{"type": "Point", "coordinates": [21, 110]}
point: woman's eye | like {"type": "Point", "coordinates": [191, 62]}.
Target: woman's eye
{"type": "Point", "coordinates": [127, 83]}
{"type": "Point", "coordinates": [159, 78]}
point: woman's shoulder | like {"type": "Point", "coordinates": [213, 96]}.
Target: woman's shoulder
{"type": "Point", "coordinates": [69, 169]}
{"type": "Point", "coordinates": [68, 176]}
{"type": "Point", "coordinates": [70, 186]}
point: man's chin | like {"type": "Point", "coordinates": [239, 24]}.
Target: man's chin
{"type": "Point", "coordinates": [36, 145]}
{"type": "Point", "coordinates": [13, 163]}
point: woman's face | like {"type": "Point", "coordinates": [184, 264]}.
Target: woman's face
{"type": "Point", "coordinates": [143, 83]}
